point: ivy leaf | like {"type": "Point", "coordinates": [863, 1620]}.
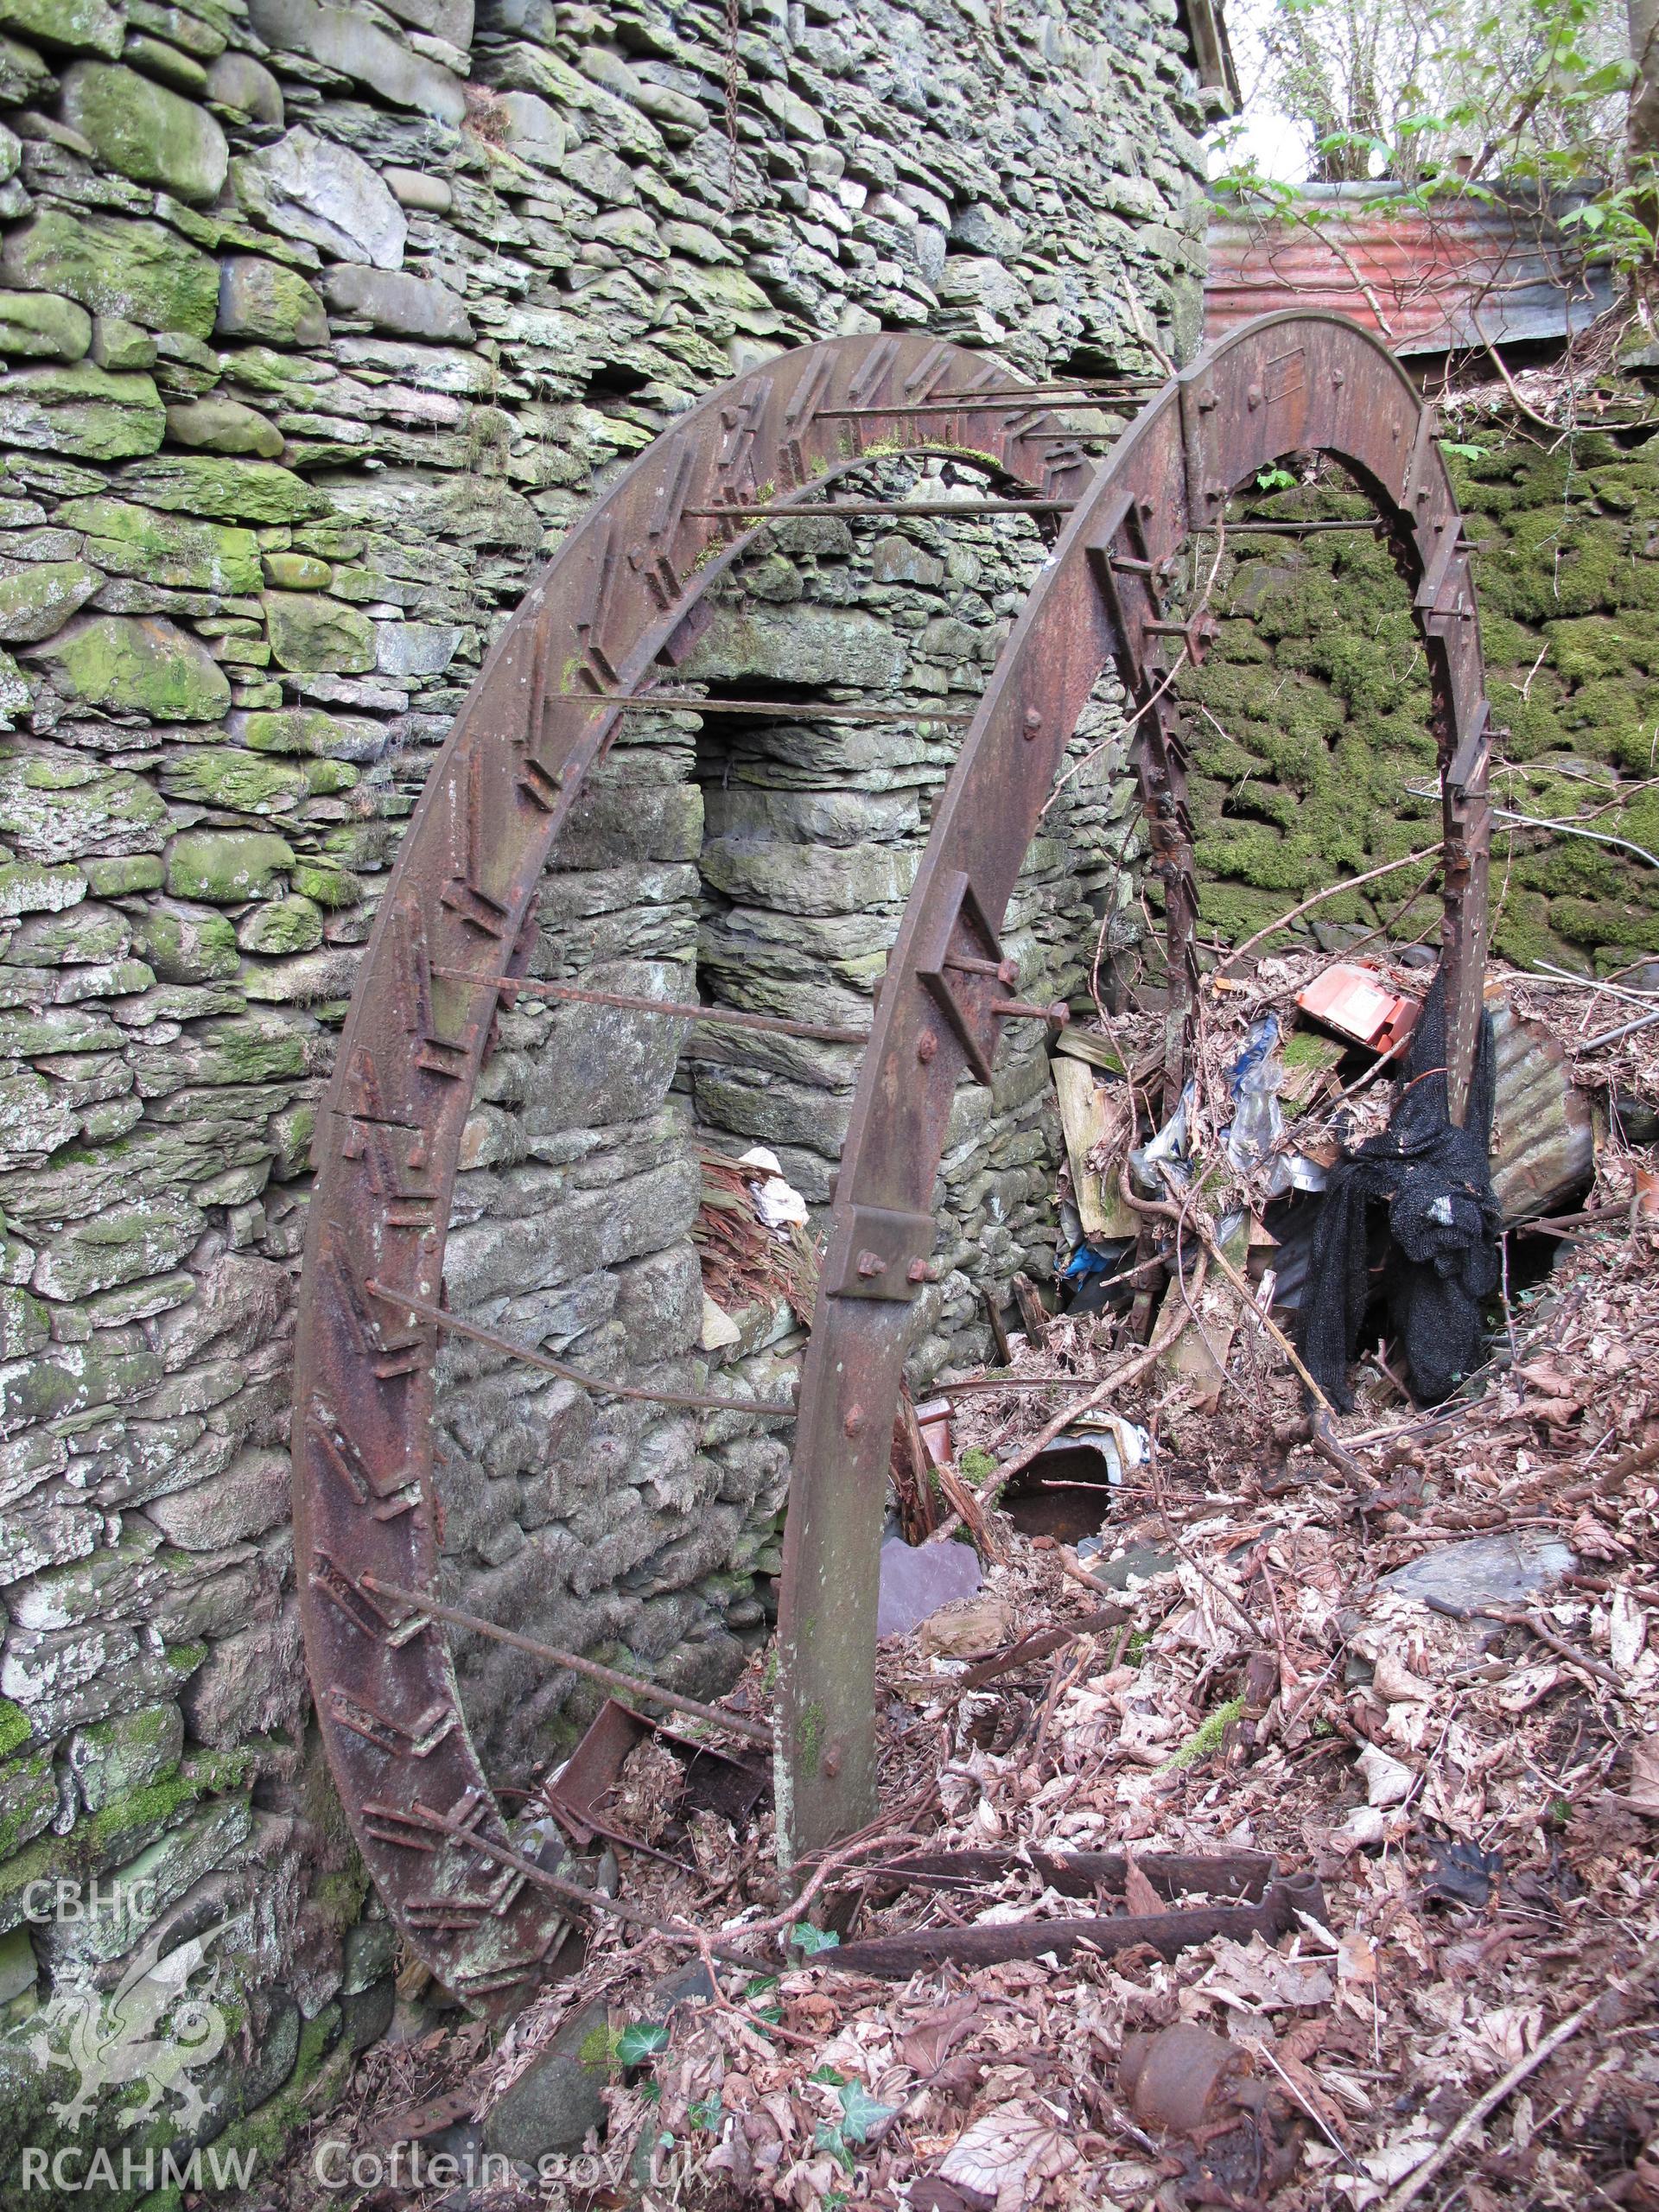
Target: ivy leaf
{"type": "Point", "coordinates": [640, 2042]}
{"type": "Point", "coordinates": [807, 1939]}
{"type": "Point", "coordinates": [861, 2112]}
{"type": "Point", "coordinates": [1462, 452]}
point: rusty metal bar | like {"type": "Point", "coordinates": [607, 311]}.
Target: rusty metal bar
{"type": "Point", "coordinates": [1294, 529]}
{"type": "Point", "coordinates": [456, 1327]}
{"type": "Point", "coordinates": [950, 509]}
{"type": "Point", "coordinates": [895, 1958]}
{"type": "Point", "coordinates": [1244, 1875]}
{"type": "Point", "coordinates": [770, 1025]}
{"type": "Point", "coordinates": [572, 1662]}
{"type": "Point", "coordinates": [788, 711]}
{"type": "Point", "coordinates": [1032, 396]}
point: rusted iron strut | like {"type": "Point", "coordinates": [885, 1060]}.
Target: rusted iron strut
{"type": "Point", "coordinates": [615, 612]}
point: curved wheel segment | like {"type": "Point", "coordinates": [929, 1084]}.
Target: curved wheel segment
{"type": "Point", "coordinates": [617, 601]}
{"type": "Point", "coordinates": [1284, 384]}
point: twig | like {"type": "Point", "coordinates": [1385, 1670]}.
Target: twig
{"type": "Point", "coordinates": [1545, 1633]}
{"type": "Point", "coordinates": [1418, 2180]}
{"type": "Point", "coordinates": [1331, 891]}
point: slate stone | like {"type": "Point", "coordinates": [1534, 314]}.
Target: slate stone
{"type": "Point", "coordinates": [250, 1683]}
{"type": "Point", "coordinates": [146, 131]}
{"type": "Point", "coordinates": [115, 1756]}
{"type": "Point", "coordinates": [415, 307]}
{"type": "Point", "coordinates": [1508, 1570]}
{"type": "Point", "coordinates": [228, 489]}
{"type": "Point", "coordinates": [82, 411]}
{"type": "Point", "coordinates": [155, 58]}
{"type": "Point", "coordinates": [224, 426]}
{"type": "Point", "coordinates": [341, 39]}
{"type": "Point", "coordinates": [262, 299]}
{"type": "Point", "coordinates": [125, 539]}
{"type": "Point", "coordinates": [140, 270]}
{"type": "Point", "coordinates": [429, 195]}
{"type": "Point", "coordinates": [42, 323]}
{"type": "Point", "coordinates": [85, 26]}
{"type": "Point", "coordinates": [312, 633]}
{"type": "Point", "coordinates": [40, 597]}
{"type": "Point", "coordinates": [413, 648]}
{"type": "Point", "coordinates": [140, 665]}
{"type": "Point", "coordinates": [121, 1244]}
{"type": "Point", "coordinates": [532, 128]}
{"type": "Point", "coordinates": [224, 867]}
{"type": "Point", "coordinates": [249, 1497]}
{"type": "Point", "coordinates": [554, 2102]}
{"type": "Point", "coordinates": [118, 345]}
{"type": "Point", "coordinates": [312, 187]}
{"type": "Point", "coordinates": [238, 81]}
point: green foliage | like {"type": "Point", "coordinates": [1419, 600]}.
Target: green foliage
{"type": "Point", "coordinates": [1461, 99]}
{"type": "Point", "coordinates": [808, 1940]}
{"type": "Point", "coordinates": [639, 2041]}
{"type": "Point", "coordinates": [860, 2115]}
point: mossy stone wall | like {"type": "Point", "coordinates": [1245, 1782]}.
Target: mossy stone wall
{"type": "Point", "coordinates": [1310, 721]}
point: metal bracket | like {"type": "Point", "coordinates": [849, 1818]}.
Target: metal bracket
{"type": "Point", "coordinates": [963, 969]}
{"type": "Point", "coordinates": [878, 1254]}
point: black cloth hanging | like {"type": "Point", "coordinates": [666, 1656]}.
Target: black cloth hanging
{"type": "Point", "coordinates": [1443, 1225]}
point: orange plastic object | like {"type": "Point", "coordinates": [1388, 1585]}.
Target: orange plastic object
{"type": "Point", "coordinates": [1356, 1002]}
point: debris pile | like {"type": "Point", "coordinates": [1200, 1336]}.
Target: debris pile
{"type": "Point", "coordinates": [1268, 1806]}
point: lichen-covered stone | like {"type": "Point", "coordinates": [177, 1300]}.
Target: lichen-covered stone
{"type": "Point", "coordinates": [229, 489]}
{"type": "Point", "coordinates": [260, 299]}
{"type": "Point", "coordinates": [87, 26]}
{"type": "Point", "coordinates": [81, 411]}
{"type": "Point", "coordinates": [42, 323]}
{"type": "Point", "coordinates": [40, 597]}
{"type": "Point", "coordinates": [236, 80]}
{"type": "Point", "coordinates": [226, 867]}
{"type": "Point", "coordinates": [346, 40]}
{"type": "Point", "coordinates": [187, 947]}
{"type": "Point", "coordinates": [128, 540]}
{"type": "Point", "coordinates": [282, 926]}
{"type": "Point", "coordinates": [141, 664]}
{"type": "Point", "coordinates": [415, 307]}
{"type": "Point", "coordinates": [146, 131]}
{"type": "Point", "coordinates": [117, 345]}
{"type": "Point", "coordinates": [224, 426]}
{"type": "Point", "coordinates": [114, 1757]}
{"type": "Point", "coordinates": [310, 632]}
{"type": "Point", "coordinates": [141, 271]}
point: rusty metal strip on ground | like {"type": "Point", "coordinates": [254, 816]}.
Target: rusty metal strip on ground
{"type": "Point", "coordinates": [895, 1958]}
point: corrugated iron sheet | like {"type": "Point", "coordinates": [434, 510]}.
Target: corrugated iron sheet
{"type": "Point", "coordinates": [1426, 282]}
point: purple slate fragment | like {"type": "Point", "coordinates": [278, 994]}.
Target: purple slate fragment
{"type": "Point", "coordinates": [918, 1579]}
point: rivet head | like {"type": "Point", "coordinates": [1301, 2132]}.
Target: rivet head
{"type": "Point", "coordinates": [1338, 378]}
{"type": "Point", "coordinates": [1253, 397]}
{"type": "Point", "coordinates": [854, 1421]}
{"type": "Point", "coordinates": [871, 1263]}
{"type": "Point", "coordinates": [830, 1764]}
{"type": "Point", "coordinates": [919, 1271]}
{"type": "Point", "coordinates": [1033, 723]}
{"type": "Point", "coordinates": [927, 1044]}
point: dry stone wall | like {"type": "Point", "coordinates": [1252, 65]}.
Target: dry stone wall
{"type": "Point", "coordinates": [319, 325]}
